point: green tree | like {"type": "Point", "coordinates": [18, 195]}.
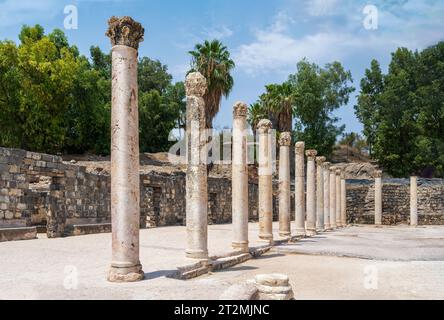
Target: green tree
{"type": "Point", "coordinates": [398, 127]}
{"type": "Point", "coordinates": [369, 105]}
{"type": "Point", "coordinates": [279, 101]}
{"type": "Point", "coordinates": [212, 60]}
{"type": "Point", "coordinates": [152, 74]}
{"type": "Point", "coordinates": [157, 117]}
{"type": "Point", "coordinates": [317, 93]}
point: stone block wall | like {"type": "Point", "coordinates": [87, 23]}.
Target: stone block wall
{"type": "Point", "coordinates": [395, 201]}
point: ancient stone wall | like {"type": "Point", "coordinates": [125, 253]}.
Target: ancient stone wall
{"type": "Point", "coordinates": [395, 201]}
{"type": "Point", "coordinates": [42, 190]}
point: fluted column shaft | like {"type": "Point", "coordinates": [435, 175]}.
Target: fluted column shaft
{"type": "Point", "coordinates": [343, 200]}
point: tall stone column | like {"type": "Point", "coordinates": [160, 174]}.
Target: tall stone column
{"type": "Point", "coordinates": [320, 194]}
{"type": "Point", "coordinates": [196, 178]}
{"type": "Point", "coordinates": [311, 192]}
{"type": "Point", "coordinates": [240, 178]}
{"type": "Point", "coordinates": [300, 188]}
{"type": "Point", "coordinates": [332, 197]}
{"type": "Point", "coordinates": [414, 201]}
{"type": "Point", "coordinates": [338, 198]}
{"type": "Point", "coordinates": [378, 197]}
{"type": "Point", "coordinates": [326, 177]}
{"type": "Point", "coordinates": [343, 200]}
{"type": "Point", "coordinates": [284, 184]}
{"type": "Point", "coordinates": [125, 35]}
{"type": "Point", "coordinates": [265, 181]}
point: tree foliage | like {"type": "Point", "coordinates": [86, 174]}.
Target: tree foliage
{"type": "Point", "coordinates": [408, 113]}
{"type": "Point", "coordinates": [212, 60]}
{"type": "Point", "coordinates": [52, 99]}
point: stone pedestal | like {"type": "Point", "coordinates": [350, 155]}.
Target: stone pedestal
{"type": "Point", "coordinates": [326, 184]}
{"type": "Point", "coordinates": [300, 189]}
{"type": "Point", "coordinates": [320, 194]}
{"type": "Point", "coordinates": [343, 200]}
{"type": "Point", "coordinates": [311, 192]}
{"type": "Point", "coordinates": [338, 198]}
{"type": "Point", "coordinates": [125, 35]}
{"type": "Point", "coordinates": [265, 181]}
{"type": "Point", "coordinates": [273, 287]}
{"type": "Point", "coordinates": [196, 178]}
{"type": "Point", "coordinates": [414, 201]}
{"type": "Point", "coordinates": [240, 178]}
{"type": "Point", "coordinates": [284, 184]}
{"type": "Point", "coordinates": [378, 197]}
{"type": "Point", "coordinates": [333, 198]}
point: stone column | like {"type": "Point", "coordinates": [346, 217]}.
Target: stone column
{"type": "Point", "coordinates": [265, 181]}
{"type": "Point", "coordinates": [378, 197]}
{"type": "Point", "coordinates": [300, 188]}
{"type": "Point", "coordinates": [240, 178]}
{"type": "Point", "coordinates": [125, 35]}
{"type": "Point", "coordinates": [320, 194]}
{"type": "Point", "coordinates": [338, 198]}
{"type": "Point", "coordinates": [284, 184]}
{"type": "Point", "coordinates": [326, 183]}
{"type": "Point", "coordinates": [311, 192]}
{"type": "Point", "coordinates": [414, 201]}
{"type": "Point", "coordinates": [343, 200]}
{"type": "Point", "coordinates": [332, 197]}
{"type": "Point", "coordinates": [196, 178]}
{"type": "Point", "coordinates": [273, 287]}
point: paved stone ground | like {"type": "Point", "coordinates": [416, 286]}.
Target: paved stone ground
{"type": "Point", "coordinates": [409, 264]}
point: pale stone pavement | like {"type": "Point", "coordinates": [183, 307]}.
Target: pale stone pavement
{"type": "Point", "coordinates": [408, 262]}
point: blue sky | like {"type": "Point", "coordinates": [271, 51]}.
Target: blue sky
{"type": "Point", "coordinates": [266, 38]}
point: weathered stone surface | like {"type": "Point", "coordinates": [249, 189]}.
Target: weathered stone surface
{"type": "Point", "coordinates": [13, 234]}
{"type": "Point", "coordinates": [125, 31]}
{"type": "Point", "coordinates": [284, 184]}
{"type": "Point", "coordinates": [273, 287]}
{"type": "Point", "coordinates": [300, 188]}
{"type": "Point", "coordinates": [311, 192]}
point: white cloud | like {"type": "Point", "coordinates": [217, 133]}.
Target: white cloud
{"type": "Point", "coordinates": [218, 33]}
{"type": "Point", "coordinates": [277, 49]}
{"type": "Point", "coordinates": [321, 7]}
{"type": "Point", "coordinates": [13, 12]}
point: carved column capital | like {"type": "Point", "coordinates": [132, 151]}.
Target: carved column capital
{"type": "Point", "coordinates": [264, 126]}
{"type": "Point", "coordinates": [195, 84]}
{"type": "Point", "coordinates": [285, 139]}
{"type": "Point", "coordinates": [125, 31]}
{"type": "Point", "coordinates": [240, 110]}
{"type": "Point", "coordinates": [311, 154]}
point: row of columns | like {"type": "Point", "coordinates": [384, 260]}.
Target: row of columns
{"type": "Point", "coordinates": [413, 199]}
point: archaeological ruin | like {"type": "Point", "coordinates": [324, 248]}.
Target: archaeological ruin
{"type": "Point", "coordinates": [48, 194]}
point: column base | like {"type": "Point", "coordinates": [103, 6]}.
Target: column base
{"type": "Point", "coordinates": [126, 274]}
{"type": "Point", "coordinates": [299, 233]}
{"type": "Point", "coordinates": [240, 246]}
{"type": "Point", "coordinates": [284, 233]}
{"type": "Point", "coordinates": [196, 254]}
{"type": "Point", "coordinates": [311, 233]}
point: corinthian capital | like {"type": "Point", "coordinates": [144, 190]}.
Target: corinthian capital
{"type": "Point", "coordinates": [195, 84]}
{"type": "Point", "coordinates": [240, 110]}
{"type": "Point", "coordinates": [285, 139]}
{"type": "Point", "coordinates": [125, 31]}
{"type": "Point", "coordinates": [264, 126]}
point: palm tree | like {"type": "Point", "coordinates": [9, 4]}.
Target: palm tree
{"type": "Point", "coordinates": [212, 60]}
{"type": "Point", "coordinates": [279, 101]}
{"type": "Point", "coordinates": [256, 112]}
